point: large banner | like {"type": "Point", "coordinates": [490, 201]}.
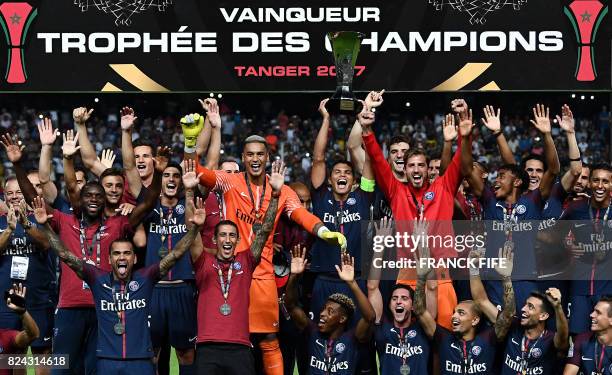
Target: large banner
{"type": "Point", "coordinates": [236, 45]}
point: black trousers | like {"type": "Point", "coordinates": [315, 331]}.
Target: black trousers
{"type": "Point", "coordinates": [224, 359]}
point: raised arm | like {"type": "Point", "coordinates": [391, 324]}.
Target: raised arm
{"type": "Point", "coordinates": [298, 264]}
{"type": "Point", "coordinates": [420, 301]}
{"type": "Point", "coordinates": [504, 319]}
{"type": "Point", "coordinates": [492, 121]}
{"type": "Point", "coordinates": [30, 331]}
{"type": "Point", "coordinates": [366, 118]}
{"type": "Point", "coordinates": [69, 149]}
{"type": "Point", "coordinates": [88, 153]}
{"type": "Point", "coordinates": [190, 183]}
{"type": "Point", "coordinates": [382, 229]}
{"type": "Point", "coordinates": [449, 131]}
{"type": "Point", "coordinates": [36, 235]}
{"type": "Point", "coordinates": [479, 295]}
{"type": "Point", "coordinates": [318, 171]}
{"type": "Point", "coordinates": [346, 272]}
{"type": "Point", "coordinates": [47, 137]}
{"type": "Point", "coordinates": [127, 151]}
{"type": "Point", "coordinates": [192, 125]}
{"type": "Point", "coordinates": [160, 161]}
{"type": "Point", "coordinates": [358, 154]}
{"type": "Point", "coordinates": [72, 261]}
{"type": "Point", "coordinates": [277, 180]}
{"type": "Point", "coordinates": [197, 221]}
{"type": "Point", "coordinates": [567, 123]}
{"type": "Point", "coordinates": [542, 123]}
{"type": "Point", "coordinates": [561, 339]}
{"type": "Point", "coordinates": [213, 118]}
{"type": "Point", "coordinates": [203, 140]}
{"type": "Point", "coordinates": [465, 131]}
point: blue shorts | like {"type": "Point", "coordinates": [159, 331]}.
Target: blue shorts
{"type": "Point", "coordinates": [522, 289]}
{"type": "Point", "coordinates": [76, 334]}
{"type": "Point", "coordinates": [44, 321]}
{"type": "Point", "coordinates": [126, 366]}
{"type": "Point", "coordinates": [173, 315]}
{"type": "Point", "coordinates": [579, 311]}
{"type": "Point", "coordinates": [324, 286]}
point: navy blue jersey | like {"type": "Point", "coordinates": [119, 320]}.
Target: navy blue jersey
{"type": "Point", "coordinates": [591, 272]}
{"type": "Point", "coordinates": [554, 205]}
{"type": "Point", "coordinates": [466, 357]}
{"type": "Point", "coordinates": [590, 356]}
{"type": "Point", "coordinates": [396, 346]}
{"type": "Point", "coordinates": [524, 216]}
{"type": "Point", "coordinates": [133, 299]}
{"type": "Point", "coordinates": [169, 223]}
{"type": "Point", "coordinates": [60, 203]}
{"type": "Point", "coordinates": [327, 356]}
{"type": "Point", "coordinates": [22, 261]}
{"type": "Point", "coordinates": [380, 206]}
{"type": "Point", "coordinates": [535, 357]}
{"type": "Point", "coordinates": [342, 217]}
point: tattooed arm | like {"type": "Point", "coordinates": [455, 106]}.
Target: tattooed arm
{"type": "Point", "coordinates": [502, 324]}
{"type": "Point", "coordinates": [72, 261]}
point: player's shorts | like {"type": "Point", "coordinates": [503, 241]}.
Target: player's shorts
{"type": "Point", "coordinates": [579, 311]}
{"type": "Point", "coordinates": [76, 334]}
{"type": "Point", "coordinates": [125, 366]}
{"type": "Point", "coordinates": [522, 290]}
{"type": "Point", "coordinates": [44, 320]}
{"type": "Point", "coordinates": [324, 286]}
{"type": "Point", "coordinates": [173, 315]}
{"type": "Point", "coordinates": [217, 358]}
{"type": "Point", "coordinates": [447, 301]}
{"type": "Point", "coordinates": [263, 307]}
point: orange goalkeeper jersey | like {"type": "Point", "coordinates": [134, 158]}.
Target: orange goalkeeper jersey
{"type": "Point", "coordinates": [242, 210]}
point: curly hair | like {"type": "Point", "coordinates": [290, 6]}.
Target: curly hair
{"type": "Point", "coordinates": [345, 301]}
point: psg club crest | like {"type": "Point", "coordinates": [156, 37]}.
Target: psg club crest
{"type": "Point", "coordinates": [412, 334]}
{"type": "Point", "coordinates": [537, 353]}
{"type": "Point", "coordinates": [237, 266]}
{"type": "Point", "coordinates": [521, 209]}
{"type": "Point", "coordinates": [429, 195]}
{"type": "Point", "coordinates": [340, 347]}
{"type": "Point", "coordinates": [476, 350]}
{"type": "Point", "coordinates": [180, 209]}
{"type": "Point", "coordinates": [123, 10]}
{"type": "Point", "coordinates": [133, 285]}
{"type": "Point", "coordinates": [351, 201]}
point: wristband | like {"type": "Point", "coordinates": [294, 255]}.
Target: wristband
{"type": "Point", "coordinates": [497, 134]}
{"type": "Point", "coordinates": [322, 230]}
{"type": "Point", "coordinates": [576, 159]}
{"type": "Point", "coordinates": [67, 157]}
{"type": "Point", "coordinates": [189, 150]}
{"type": "Point", "coordinates": [474, 272]}
{"type": "Point", "coordinates": [367, 185]}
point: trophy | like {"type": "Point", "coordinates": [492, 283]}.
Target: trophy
{"type": "Point", "coordinates": [345, 47]}
{"type": "Point", "coordinates": [585, 16]}
{"type": "Point", "coordinates": [16, 19]}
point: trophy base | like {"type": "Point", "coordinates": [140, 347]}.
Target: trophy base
{"type": "Point", "coordinates": [349, 106]}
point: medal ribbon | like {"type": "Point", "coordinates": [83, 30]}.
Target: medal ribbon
{"type": "Point", "coordinates": [95, 242]}
{"type": "Point", "coordinates": [165, 227]}
{"type": "Point", "coordinates": [225, 288]}
{"type": "Point", "coordinates": [116, 300]}
{"type": "Point", "coordinates": [256, 208]}
{"type": "Point", "coordinates": [466, 357]}
{"type": "Point", "coordinates": [339, 218]}
{"type": "Point", "coordinates": [420, 208]}
{"type": "Point", "coordinates": [329, 350]}
{"type": "Point", "coordinates": [508, 220]}
{"type": "Point", "coordinates": [403, 344]}
{"type": "Point", "coordinates": [525, 350]}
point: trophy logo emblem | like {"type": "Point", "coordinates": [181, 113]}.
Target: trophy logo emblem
{"type": "Point", "coordinates": [16, 19]}
{"type": "Point", "coordinates": [345, 47]}
{"type": "Point", "coordinates": [586, 16]}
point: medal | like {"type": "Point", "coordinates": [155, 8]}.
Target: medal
{"type": "Point", "coordinates": [509, 245]}
{"type": "Point", "coordinates": [257, 228]}
{"type": "Point", "coordinates": [404, 369]}
{"type": "Point", "coordinates": [225, 309]}
{"type": "Point", "coordinates": [163, 251]}
{"type": "Point", "coordinates": [119, 328]}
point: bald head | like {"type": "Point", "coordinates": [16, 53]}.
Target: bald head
{"type": "Point", "coordinates": [302, 192]}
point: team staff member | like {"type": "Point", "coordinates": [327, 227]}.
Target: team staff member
{"type": "Point", "coordinates": [173, 309]}
{"type": "Point", "coordinates": [332, 346]}
{"type": "Point", "coordinates": [592, 351]}
{"type": "Point", "coordinates": [122, 297]}
{"type": "Point", "coordinates": [530, 347]}
{"type": "Point", "coordinates": [223, 281]}
{"type": "Point", "coordinates": [418, 199]}
{"type": "Point", "coordinates": [13, 341]}
{"type": "Point", "coordinates": [246, 196]}
{"type": "Point", "coordinates": [24, 259]}
{"type": "Point", "coordinates": [463, 350]}
{"type": "Point", "coordinates": [88, 236]}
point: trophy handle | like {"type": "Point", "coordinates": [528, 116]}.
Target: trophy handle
{"type": "Point", "coordinates": [15, 19]}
